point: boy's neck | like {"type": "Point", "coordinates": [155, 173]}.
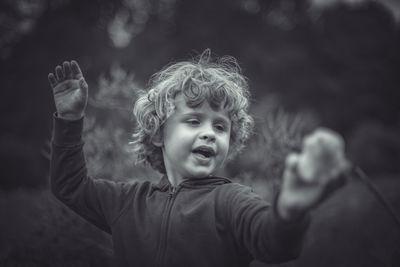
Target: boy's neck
{"type": "Point", "coordinates": [174, 181]}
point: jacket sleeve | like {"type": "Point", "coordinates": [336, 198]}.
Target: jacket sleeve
{"type": "Point", "coordinates": [98, 201]}
{"type": "Point", "coordinates": [258, 229]}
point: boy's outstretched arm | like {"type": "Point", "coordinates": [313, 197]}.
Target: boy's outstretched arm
{"type": "Point", "coordinates": [313, 175]}
{"type": "Point", "coordinates": [98, 201]}
{"type": "Point", "coordinates": [70, 90]}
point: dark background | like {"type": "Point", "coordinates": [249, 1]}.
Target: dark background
{"type": "Point", "coordinates": [310, 63]}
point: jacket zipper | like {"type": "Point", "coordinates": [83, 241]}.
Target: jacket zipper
{"type": "Point", "coordinates": [165, 225]}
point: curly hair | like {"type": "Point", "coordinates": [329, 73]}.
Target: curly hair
{"type": "Point", "coordinates": [218, 81]}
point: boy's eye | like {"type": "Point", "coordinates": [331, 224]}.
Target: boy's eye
{"type": "Point", "coordinates": [193, 122]}
{"type": "Point", "coordinates": [220, 127]}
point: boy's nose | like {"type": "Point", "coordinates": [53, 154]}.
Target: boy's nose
{"type": "Point", "coordinates": [208, 135]}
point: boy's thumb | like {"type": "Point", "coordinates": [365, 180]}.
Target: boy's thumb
{"type": "Point", "coordinates": [291, 162]}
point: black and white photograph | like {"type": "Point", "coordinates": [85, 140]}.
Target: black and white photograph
{"type": "Point", "coordinates": [212, 133]}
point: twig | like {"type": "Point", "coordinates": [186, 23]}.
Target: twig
{"type": "Point", "coordinates": [364, 178]}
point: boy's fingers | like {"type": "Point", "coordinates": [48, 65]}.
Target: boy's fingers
{"type": "Point", "coordinates": [59, 73]}
{"type": "Point", "coordinates": [52, 80]}
{"type": "Point", "coordinates": [67, 70]}
{"type": "Point", "coordinates": [65, 86]}
{"type": "Point", "coordinates": [291, 167]}
{"type": "Point", "coordinates": [83, 85]}
{"type": "Point", "coordinates": [76, 71]}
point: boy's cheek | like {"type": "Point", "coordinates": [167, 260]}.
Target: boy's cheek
{"type": "Point", "coordinates": [225, 153]}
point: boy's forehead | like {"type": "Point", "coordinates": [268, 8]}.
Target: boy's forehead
{"type": "Point", "coordinates": [182, 107]}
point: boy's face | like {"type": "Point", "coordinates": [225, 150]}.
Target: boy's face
{"type": "Point", "coordinates": [195, 141]}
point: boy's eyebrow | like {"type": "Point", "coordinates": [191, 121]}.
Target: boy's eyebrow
{"type": "Point", "coordinates": [220, 117]}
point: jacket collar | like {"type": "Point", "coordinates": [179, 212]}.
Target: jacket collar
{"type": "Point", "coordinates": [164, 183]}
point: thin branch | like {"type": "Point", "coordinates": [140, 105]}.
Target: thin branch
{"type": "Point", "coordinates": [364, 178]}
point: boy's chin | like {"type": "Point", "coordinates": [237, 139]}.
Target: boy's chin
{"type": "Point", "coordinates": [198, 173]}
{"type": "Point", "coordinates": [201, 171]}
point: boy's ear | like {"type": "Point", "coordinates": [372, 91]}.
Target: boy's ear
{"type": "Point", "coordinates": [157, 139]}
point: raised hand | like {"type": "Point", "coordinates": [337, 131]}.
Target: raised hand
{"type": "Point", "coordinates": [70, 90]}
{"type": "Point", "coordinates": [313, 175]}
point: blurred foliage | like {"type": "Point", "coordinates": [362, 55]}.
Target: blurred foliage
{"type": "Point", "coordinates": [18, 18]}
{"type": "Point", "coordinates": [125, 19]}
{"type": "Point", "coordinates": [108, 127]}
{"type": "Point", "coordinates": [277, 133]}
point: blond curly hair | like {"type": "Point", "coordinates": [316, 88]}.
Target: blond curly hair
{"type": "Point", "coordinates": [218, 81]}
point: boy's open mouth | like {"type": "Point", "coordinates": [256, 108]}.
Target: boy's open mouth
{"type": "Point", "coordinates": [204, 151]}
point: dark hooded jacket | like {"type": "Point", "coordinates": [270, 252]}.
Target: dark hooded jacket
{"type": "Point", "coordinates": [202, 222]}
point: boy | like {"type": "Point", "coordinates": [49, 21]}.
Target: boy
{"type": "Point", "coordinates": [191, 120]}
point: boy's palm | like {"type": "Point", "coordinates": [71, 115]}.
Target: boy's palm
{"type": "Point", "coordinates": [313, 175]}
{"type": "Point", "coordinates": [70, 90]}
